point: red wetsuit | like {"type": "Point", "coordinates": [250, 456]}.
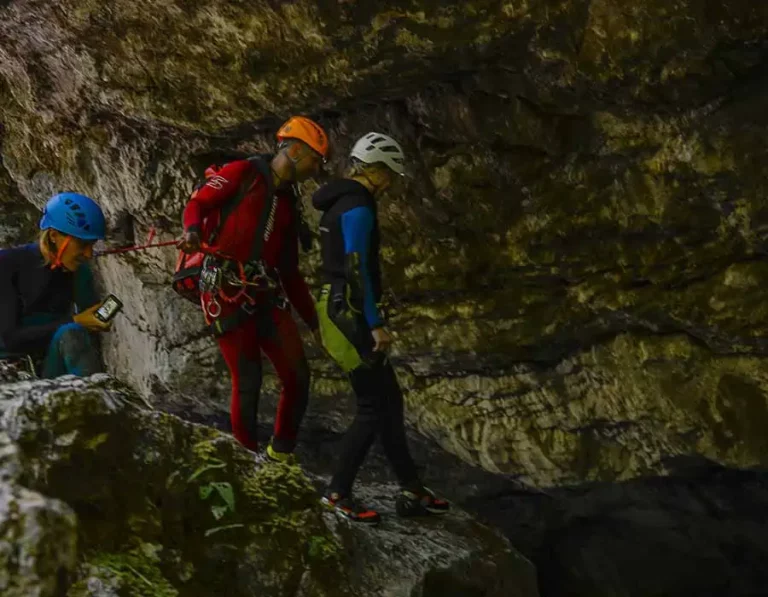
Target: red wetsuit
{"type": "Point", "coordinates": [270, 329]}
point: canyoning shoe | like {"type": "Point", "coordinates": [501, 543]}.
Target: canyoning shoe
{"type": "Point", "coordinates": [269, 455]}
{"type": "Point", "coordinates": [350, 509]}
{"type": "Point", "coordinates": [284, 457]}
{"type": "Point", "coordinates": [420, 503]}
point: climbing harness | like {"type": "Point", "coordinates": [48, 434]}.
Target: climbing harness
{"type": "Point", "coordinates": [212, 279]}
{"type": "Point", "coordinates": [208, 274]}
{"type": "Point", "coordinates": [218, 272]}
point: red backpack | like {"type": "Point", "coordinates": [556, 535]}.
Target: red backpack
{"type": "Point", "coordinates": [186, 276]}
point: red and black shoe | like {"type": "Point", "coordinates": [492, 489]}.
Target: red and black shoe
{"type": "Point", "coordinates": [350, 509]}
{"type": "Point", "coordinates": [421, 502]}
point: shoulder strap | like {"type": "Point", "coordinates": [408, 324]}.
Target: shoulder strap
{"type": "Point", "coordinates": [263, 168]}
{"type": "Point", "coordinates": [304, 231]}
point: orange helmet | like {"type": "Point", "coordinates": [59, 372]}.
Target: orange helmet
{"type": "Point", "coordinates": [307, 131]}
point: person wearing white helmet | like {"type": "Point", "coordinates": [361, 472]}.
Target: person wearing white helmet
{"type": "Point", "coordinates": [353, 330]}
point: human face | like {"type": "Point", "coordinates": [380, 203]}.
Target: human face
{"type": "Point", "coordinates": [76, 253]}
{"type": "Point", "coordinates": [385, 180]}
{"type": "Point", "coordinates": [308, 162]}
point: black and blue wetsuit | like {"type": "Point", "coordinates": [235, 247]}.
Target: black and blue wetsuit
{"type": "Point", "coordinates": [349, 239]}
{"type": "Point", "coordinates": [36, 308]}
{"type": "Point", "coordinates": [347, 311]}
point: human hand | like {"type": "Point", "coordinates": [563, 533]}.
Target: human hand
{"type": "Point", "coordinates": [382, 340]}
{"type": "Point", "coordinates": [190, 243]}
{"type": "Point", "coordinates": [89, 321]}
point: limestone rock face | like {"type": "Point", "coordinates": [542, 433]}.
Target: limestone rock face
{"type": "Point", "coordinates": [38, 535]}
{"type": "Point", "coordinates": [19, 219]}
{"type": "Point", "coordinates": [167, 508]}
{"type": "Point", "coordinates": [576, 268]}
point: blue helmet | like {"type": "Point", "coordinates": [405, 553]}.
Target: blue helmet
{"type": "Point", "coordinates": [75, 215]}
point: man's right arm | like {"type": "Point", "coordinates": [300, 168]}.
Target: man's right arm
{"type": "Point", "coordinates": [214, 193]}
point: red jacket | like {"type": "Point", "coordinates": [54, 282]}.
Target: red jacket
{"type": "Point", "coordinates": [281, 249]}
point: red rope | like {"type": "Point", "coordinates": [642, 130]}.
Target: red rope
{"type": "Point", "coordinates": [136, 248]}
{"type": "Point", "coordinates": [149, 245]}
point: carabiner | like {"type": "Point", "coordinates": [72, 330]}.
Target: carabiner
{"type": "Point", "coordinates": [213, 308]}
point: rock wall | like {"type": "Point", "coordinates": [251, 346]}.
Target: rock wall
{"type": "Point", "coordinates": [18, 224]}
{"type": "Point", "coordinates": [699, 531]}
{"type": "Point", "coordinates": [576, 268]}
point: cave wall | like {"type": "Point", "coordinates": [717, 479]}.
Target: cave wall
{"type": "Point", "coordinates": [576, 270]}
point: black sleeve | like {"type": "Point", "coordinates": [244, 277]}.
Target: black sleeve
{"type": "Point", "coordinates": [14, 337]}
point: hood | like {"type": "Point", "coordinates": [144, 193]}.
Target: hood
{"type": "Point", "coordinates": [326, 196]}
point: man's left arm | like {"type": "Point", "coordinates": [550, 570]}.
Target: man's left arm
{"type": "Point", "coordinates": [295, 286]}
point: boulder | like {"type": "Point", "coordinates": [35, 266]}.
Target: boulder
{"type": "Point", "coordinates": [165, 507]}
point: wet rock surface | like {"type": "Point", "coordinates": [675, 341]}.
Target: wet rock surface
{"type": "Point", "coordinates": [700, 532]}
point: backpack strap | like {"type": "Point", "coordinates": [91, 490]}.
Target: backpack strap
{"type": "Point", "coordinates": [245, 185]}
{"type": "Point", "coordinates": [262, 167]}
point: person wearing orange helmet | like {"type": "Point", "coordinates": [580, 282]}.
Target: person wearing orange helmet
{"type": "Point", "coordinates": [247, 210]}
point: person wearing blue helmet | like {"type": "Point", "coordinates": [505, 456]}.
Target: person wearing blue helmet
{"type": "Point", "coordinates": [47, 299]}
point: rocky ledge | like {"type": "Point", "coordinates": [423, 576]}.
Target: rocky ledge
{"type": "Point", "coordinates": [102, 495]}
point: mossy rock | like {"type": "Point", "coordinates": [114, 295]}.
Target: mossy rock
{"type": "Point", "coordinates": [182, 509]}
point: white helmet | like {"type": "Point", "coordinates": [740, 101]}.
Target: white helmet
{"type": "Point", "coordinates": [377, 147]}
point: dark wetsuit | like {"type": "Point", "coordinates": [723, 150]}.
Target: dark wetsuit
{"type": "Point", "coordinates": [347, 311]}
{"type": "Point", "coordinates": [36, 309]}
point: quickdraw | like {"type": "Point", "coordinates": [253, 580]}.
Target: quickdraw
{"type": "Point", "coordinates": [211, 309]}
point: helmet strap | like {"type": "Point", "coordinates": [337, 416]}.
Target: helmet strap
{"type": "Point", "coordinates": [292, 164]}
{"type": "Point", "coordinates": [280, 180]}
{"type": "Point", "coordinates": [57, 263]}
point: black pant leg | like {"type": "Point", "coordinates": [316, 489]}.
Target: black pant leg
{"type": "Point", "coordinates": [361, 434]}
{"type": "Point", "coordinates": [393, 437]}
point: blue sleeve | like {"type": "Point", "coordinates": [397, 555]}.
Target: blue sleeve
{"type": "Point", "coordinates": [356, 227]}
